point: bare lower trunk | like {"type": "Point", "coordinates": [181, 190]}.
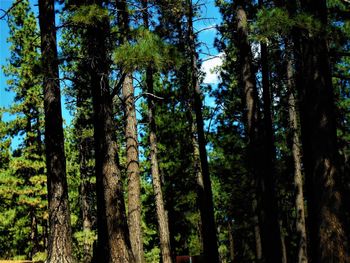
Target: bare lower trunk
{"type": "Point", "coordinates": [270, 219]}
{"type": "Point", "coordinates": [113, 235]}
{"type": "Point", "coordinates": [60, 240]}
{"type": "Point", "coordinates": [162, 217]}
{"type": "Point", "coordinates": [260, 167]}
{"type": "Point", "coordinates": [328, 241]}
{"type": "Point", "coordinates": [34, 233]}
{"type": "Point", "coordinates": [283, 244]}
{"type": "Point", "coordinates": [256, 225]}
{"type": "Point", "coordinates": [205, 195]}
{"type": "Point", "coordinates": [231, 240]}
{"type": "Point", "coordinates": [85, 204]}
{"type": "Point", "coordinates": [133, 171]}
{"type": "Point", "coordinates": [298, 172]}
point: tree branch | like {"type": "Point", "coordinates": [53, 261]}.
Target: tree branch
{"type": "Point", "coordinates": [118, 85]}
{"type": "Point", "coordinates": [6, 12]}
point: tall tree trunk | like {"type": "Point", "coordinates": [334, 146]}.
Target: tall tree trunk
{"type": "Point", "coordinates": [34, 238]}
{"type": "Point", "coordinates": [85, 187]}
{"type": "Point", "coordinates": [271, 226]}
{"type": "Point", "coordinates": [250, 100]}
{"type": "Point", "coordinates": [162, 217]}
{"type": "Point", "coordinates": [60, 240]}
{"type": "Point", "coordinates": [271, 240]}
{"type": "Point", "coordinates": [133, 170]}
{"type": "Point", "coordinates": [132, 152]}
{"type": "Point", "coordinates": [328, 241]}
{"type": "Point", "coordinates": [113, 236]}
{"type": "Point", "coordinates": [256, 225]}
{"type": "Point", "coordinates": [205, 196]}
{"type": "Point", "coordinates": [297, 158]}
{"type": "Point", "coordinates": [231, 240]}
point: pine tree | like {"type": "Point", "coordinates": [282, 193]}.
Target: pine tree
{"type": "Point", "coordinates": [327, 236]}
{"type": "Point", "coordinates": [27, 162]}
{"type": "Point", "coordinates": [60, 240]}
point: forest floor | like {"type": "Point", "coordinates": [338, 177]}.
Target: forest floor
{"type": "Point", "coordinates": [15, 261]}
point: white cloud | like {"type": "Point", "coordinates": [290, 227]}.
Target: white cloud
{"type": "Point", "coordinates": [211, 68]}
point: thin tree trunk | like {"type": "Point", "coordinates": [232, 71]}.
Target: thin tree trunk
{"type": "Point", "coordinates": [34, 233]}
{"type": "Point", "coordinates": [271, 227]}
{"type": "Point", "coordinates": [133, 170]}
{"type": "Point", "coordinates": [60, 240]}
{"type": "Point", "coordinates": [231, 240]}
{"type": "Point", "coordinates": [84, 198]}
{"type": "Point", "coordinates": [113, 235]}
{"type": "Point", "coordinates": [284, 258]}
{"type": "Point", "coordinates": [132, 152]}
{"type": "Point", "coordinates": [271, 240]}
{"type": "Point", "coordinates": [205, 196]}
{"type": "Point", "coordinates": [250, 99]}
{"type": "Point", "coordinates": [162, 217]}
{"type": "Point", "coordinates": [328, 242]}
{"type": "Point", "coordinates": [256, 225]}
{"type": "Point", "coordinates": [297, 157]}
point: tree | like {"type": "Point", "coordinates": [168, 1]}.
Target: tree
{"type": "Point", "coordinates": [60, 240]}
{"type": "Point", "coordinates": [327, 236]}
{"type": "Point", "coordinates": [132, 151]}
{"type": "Point", "coordinates": [205, 195]}
{"type": "Point", "coordinates": [113, 237]}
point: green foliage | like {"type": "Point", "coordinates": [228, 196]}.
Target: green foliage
{"type": "Point", "coordinates": [271, 22]}
{"type": "Point", "coordinates": [274, 22]}
{"type": "Point", "coordinates": [89, 15]}
{"type": "Point", "coordinates": [39, 257]}
{"type": "Point", "coordinates": [23, 183]}
{"type": "Point", "coordinates": [147, 50]}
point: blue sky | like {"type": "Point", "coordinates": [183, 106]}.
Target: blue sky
{"type": "Point", "coordinates": [206, 36]}
{"type": "Point", "coordinates": [5, 97]}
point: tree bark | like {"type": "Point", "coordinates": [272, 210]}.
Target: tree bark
{"type": "Point", "coordinates": [205, 195]}
{"type": "Point", "coordinates": [256, 225]}
{"type": "Point", "coordinates": [133, 170]}
{"type": "Point", "coordinates": [260, 167]}
{"type": "Point", "coordinates": [297, 158]}
{"type": "Point", "coordinates": [231, 240]}
{"type": "Point", "coordinates": [113, 236]}
{"type": "Point", "coordinates": [271, 227]}
{"type": "Point", "coordinates": [328, 242]}
{"type": "Point", "coordinates": [162, 217]}
{"type": "Point", "coordinates": [132, 152]}
{"type": "Point", "coordinates": [60, 240]}
{"type": "Point", "coordinates": [85, 188]}
{"type": "Point", "coordinates": [163, 223]}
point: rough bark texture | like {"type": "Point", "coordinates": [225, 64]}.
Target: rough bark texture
{"type": "Point", "coordinates": [133, 170]}
{"type": "Point", "coordinates": [297, 158]}
{"type": "Point", "coordinates": [34, 237]}
{"type": "Point", "coordinates": [261, 171]}
{"type": "Point", "coordinates": [132, 153]}
{"type": "Point", "coordinates": [205, 196]}
{"type": "Point", "coordinates": [250, 100]}
{"type": "Point", "coordinates": [113, 236]}
{"type": "Point", "coordinates": [162, 217]}
{"type": "Point", "coordinates": [163, 225]}
{"type": "Point", "coordinates": [272, 233]}
{"type": "Point", "coordinates": [60, 240]}
{"type": "Point", "coordinates": [85, 188]}
{"type": "Point", "coordinates": [328, 241]}
{"type": "Point", "coordinates": [231, 240]}
{"type": "Point", "coordinates": [256, 225]}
